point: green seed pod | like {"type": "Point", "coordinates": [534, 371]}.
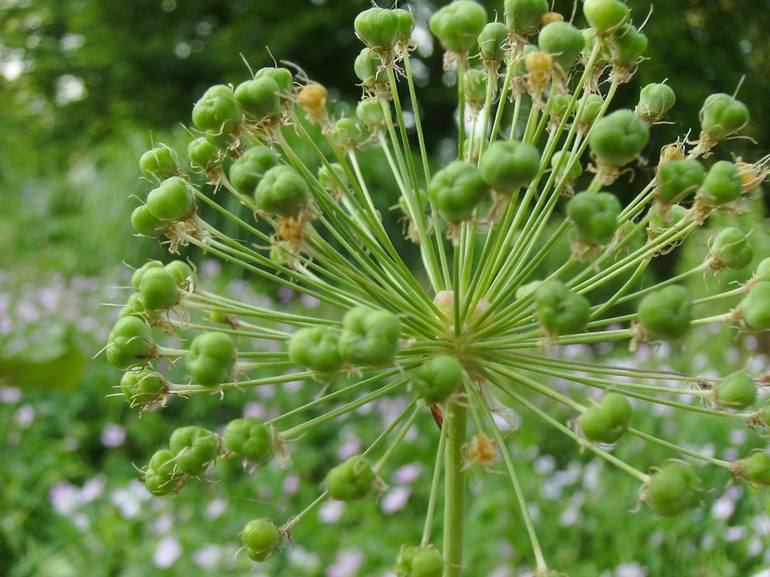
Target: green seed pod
{"type": "Point", "coordinates": [345, 133]}
{"type": "Point", "coordinates": [379, 28]}
{"type": "Point", "coordinates": [211, 358]}
{"type": "Point", "coordinates": [282, 191]}
{"type": "Point", "coordinates": [619, 138]}
{"type": "Point", "coordinates": [438, 378]}
{"type": "Point", "coordinates": [667, 313]}
{"type": "Point", "coordinates": [134, 306]}
{"type": "Point", "coordinates": [721, 116]}
{"type": "Point", "coordinates": [575, 171]}
{"type": "Point", "coordinates": [136, 278]}
{"type": "Point", "coordinates": [457, 189]}
{"type": "Point", "coordinates": [159, 162]}
{"type": "Point", "coordinates": [756, 468]}
{"type": "Point", "coordinates": [563, 41]}
{"type": "Point", "coordinates": [590, 110]}
{"type": "Point", "coordinates": [737, 392]}
{"type": "Point", "coordinates": [674, 489]}
{"type": "Point", "coordinates": [369, 337]}
{"type": "Point", "coordinates": [158, 289]}
{"type": "Point", "coordinates": [161, 476]}
{"type": "Point", "coordinates": [259, 98]}
{"type": "Point", "coordinates": [661, 219]}
{"type": "Point", "coordinates": [755, 307]}
{"type": "Point", "coordinates": [507, 165]}
{"type": "Point", "coordinates": [607, 421]}
{"type": "Point", "coordinates": [204, 153]}
{"type": "Point", "coordinates": [627, 45]}
{"type": "Point", "coordinates": [143, 222]}
{"type": "Point", "coordinates": [655, 100]}
{"type": "Point", "coordinates": [731, 249]}
{"type": "Point", "coordinates": [721, 185]}
{"type": "Point", "coordinates": [419, 562]}
{"type": "Point", "coordinates": [181, 271]}
{"type": "Point", "coordinates": [405, 24]}
{"type": "Point", "coordinates": [595, 216]}
{"type": "Point", "coordinates": [260, 538]}
{"type": "Point", "coordinates": [559, 310]}
{"type": "Point", "coordinates": [194, 448]}
{"type": "Point", "coordinates": [763, 271]}
{"type": "Point", "coordinates": [332, 178]}
{"type": "Point", "coordinates": [492, 41]}
{"type": "Point", "coordinates": [558, 104]}
{"type": "Point", "coordinates": [141, 386]}
{"type": "Point", "coordinates": [171, 201]}
{"type": "Point", "coordinates": [370, 114]}
{"type": "Point", "coordinates": [246, 172]}
{"type": "Point", "coordinates": [523, 17]}
{"type": "Point", "coordinates": [351, 480]}
{"type": "Point", "coordinates": [217, 110]}
{"type": "Point", "coordinates": [249, 438]}
{"type": "Point", "coordinates": [129, 342]}
{"type": "Point", "coordinates": [475, 85]}
{"type": "Point", "coordinates": [368, 68]}
{"type": "Point", "coordinates": [316, 348]}
{"type": "Point", "coordinates": [458, 25]}
{"type": "Point", "coordinates": [281, 76]}
{"type": "Point", "coordinates": [678, 179]}
{"type": "Point", "coordinates": [605, 15]}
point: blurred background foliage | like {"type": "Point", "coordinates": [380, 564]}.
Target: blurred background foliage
{"type": "Point", "coordinates": [86, 86]}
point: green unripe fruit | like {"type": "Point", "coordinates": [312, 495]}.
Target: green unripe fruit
{"type": "Point", "coordinates": [332, 177]}
{"type": "Point", "coordinates": [607, 421]}
{"type": "Point", "coordinates": [171, 201]}
{"type": "Point", "coordinates": [674, 489]}
{"type": "Point", "coordinates": [159, 289]}
{"type": "Point", "coordinates": [662, 218]}
{"type": "Point", "coordinates": [655, 100]}
{"type": "Point", "coordinates": [316, 348]}
{"type": "Point", "coordinates": [575, 169]}
{"type": "Point", "coordinates": [136, 278]}
{"type": "Point", "coordinates": [181, 271]}
{"type": "Point", "coordinates": [458, 25]}
{"type": "Point", "coordinates": [763, 271]}
{"type": "Point", "coordinates": [345, 133]}
{"type": "Point", "coordinates": [129, 342]}
{"type": "Point", "coordinates": [419, 562]}
{"type": "Point", "coordinates": [605, 15]}
{"type": "Point", "coordinates": [475, 85]}
{"type": "Point", "coordinates": [678, 179]}
{"type": "Point", "coordinates": [133, 306]}
{"type": "Point", "coordinates": [721, 116]}
{"type": "Point", "coordinates": [559, 310]}
{"type": "Point", "coordinates": [217, 110]}
{"type": "Point", "coordinates": [590, 110]}
{"type": "Point", "coordinates": [159, 162]}
{"type": "Point", "coordinates": [203, 153]}
{"type": "Point", "coordinates": [161, 476]}
{"type": "Point", "coordinates": [438, 378]}
{"type": "Point", "coordinates": [457, 189]}
{"type": "Point", "coordinates": [380, 28]}
{"type": "Point", "coordinates": [721, 185]}
{"type": "Point", "coordinates": [755, 307]}
{"type": "Point", "coordinates": [246, 172]}
{"type": "Point", "coordinates": [141, 386]}
{"type": "Point", "coordinates": [618, 139]}
{"type": "Point", "coordinates": [491, 42]}
{"type": "Point", "coordinates": [211, 358]}
{"type": "Point", "coordinates": [368, 68]}
{"type": "Point", "coordinates": [736, 392]}
{"type": "Point", "coordinates": [562, 41]}
{"type": "Point", "coordinates": [370, 114]}
{"type": "Point", "coordinates": [369, 337]}
{"type": "Point", "coordinates": [249, 438]}
{"type": "Point", "coordinates": [731, 249]}
{"type": "Point", "coordinates": [281, 76]}
{"type": "Point", "coordinates": [260, 538]}
{"type": "Point", "coordinates": [351, 480]}
{"type": "Point", "coordinates": [756, 468]}
{"type": "Point", "coordinates": [259, 98]}
{"type": "Point", "coordinates": [282, 191]}
{"type": "Point", "coordinates": [507, 165]}
{"type": "Point", "coordinates": [405, 24]}
{"type": "Point", "coordinates": [558, 105]}
{"type": "Point", "coordinates": [194, 449]}
{"type": "Point", "coordinates": [595, 216]}
{"type": "Point", "coordinates": [667, 313]}
{"type": "Point", "coordinates": [523, 17]}
{"type": "Point", "coordinates": [143, 222]}
{"type": "Point", "coordinates": [627, 45]}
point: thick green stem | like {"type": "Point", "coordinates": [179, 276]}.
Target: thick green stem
{"type": "Point", "coordinates": [454, 489]}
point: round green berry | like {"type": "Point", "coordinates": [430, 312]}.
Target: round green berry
{"type": "Point", "coordinates": [419, 562]}
{"type": "Point", "coordinates": [249, 438]}
{"type": "Point", "coordinates": [763, 271]}
{"type": "Point", "coordinates": [159, 162]}
{"type": "Point", "coordinates": [619, 138]}
{"type": "Point", "coordinates": [217, 110]}
{"type": "Point", "coordinates": [246, 172]}
{"type": "Point", "coordinates": [492, 41]}
{"type": "Point", "coordinates": [260, 538]}
{"type": "Point", "coordinates": [666, 313]}
{"type": "Point", "coordinates": [678, 179]}
{"type": "Point", "coordinates": [259, 98]}
{"type": "Point", "coordinates": [508, 165]}
{"type": "Point", "coordinates": [673, 489]}
{"type": "Point", "coordinates": [369, 337]}
{"type": "Point", "coordinates": [607, 421]}
{"type": "Point", "coordinates": [351, 480]}
{"type": "Point", "coordinates": [136, 278]}
{"type": "Point", "coordinates": [282, 191]}
{"type": "Point", "coordinates": [316, 348]}
{"type": "Point", "coordinates": [523, 17]}
{"type": "Point", "coordinates": [562, 41]}
{"type": "Point", "coordinates": [721, 185]}
{"type": "Point", "coordinates": [142, 385]}
{"type": "Point", "coordinates": [721, 116]}
{"type": "Point", "coordinates": [457, 189]}
{"type": "Point", "coordinates": [655, 100]}
{"type": "Point", "coordinates": [161, 476]}
{"type": "Point", "coordinates": [172, 200]}
{"type": "Point", "coordinates": [627, 45]}
{"type": "Point", "coordinates": [458, 25]}
{"type": "Point", "coordinates": [559, 310]}
{"type": "Point", "coordinates": [143, 222]}
{"type": "Point", "coordinates": [381, 28]}
{"type": "Point", "coordinates": [159, 289]}
{"type": "Point", "coordinates": [756, 468]}
{"type": "Point", "coordinates": [211, 358]}
{"type": "Point", "coordinates": [438, 378]}
{"type": "Point", "coordinates": [129, 342]}
{"type": "Point", "coordinates": [181, 271]}
{"type": "Point", "coordinates": [370, 114]}
{"type": "Point", "coordinates": [605, 15]}
{"type": "Point", "coordinates": [368, 68]}
{"type": "Point", "coordinates": [754, 309]}
{"type": "Point", "coordinates": [731, 249]}
{"type": "Point", "coordinates": [281, 76]}
{"type": "Point", "coordinates": [133, 307]}
{"type": "Point", "coordinates": [589, 107]}
{"type": "Point", "coordinates": [194, 448]}
{"type": "Point", "coordinates": [737, 392]}
{"type": "Point", "coordinates": [204, 153]}
{"type": "Point", "coordinates": [595, 216]}
{"type": "Point", "coordinates": [346, 133]}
